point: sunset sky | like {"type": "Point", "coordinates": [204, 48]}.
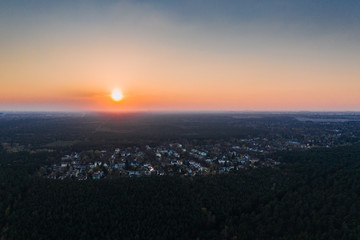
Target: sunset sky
{"type": "Point", "coordinates": [180, 55]}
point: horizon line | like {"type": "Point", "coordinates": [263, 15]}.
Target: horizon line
{"type": "Point", "coordinates": [178, 111]}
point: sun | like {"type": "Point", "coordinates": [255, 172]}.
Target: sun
{"type": "Point", "coordinates": [116, 95]}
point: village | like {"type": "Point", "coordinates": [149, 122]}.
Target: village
{"type": "Point", "coordinates": [169, 159]}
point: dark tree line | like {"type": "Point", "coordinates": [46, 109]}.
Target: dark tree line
{"type": "Point", "coordinates": [312, 195]}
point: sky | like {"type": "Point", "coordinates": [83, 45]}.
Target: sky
{"type": "Point", "coordinates": [216, 55]}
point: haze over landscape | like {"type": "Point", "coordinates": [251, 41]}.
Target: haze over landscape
{"type": "Point", "coordinates": [187, 55]}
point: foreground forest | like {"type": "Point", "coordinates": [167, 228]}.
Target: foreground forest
{"type": "Point", "coordinates": [312, 195]}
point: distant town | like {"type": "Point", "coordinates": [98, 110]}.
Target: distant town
{"type": "Point", "coordinates": [173, 159]}
{"type": "Point", "coordinates": [106, 147]}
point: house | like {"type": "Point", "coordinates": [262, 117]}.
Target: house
{"type": "Point", "coordinates": [203, 154]}
{"type": "Point", "coordinates": [134, 174]}
{"type": "Point", "coordinates": [254, 160]}
{"type": "Point", "coordinates": [64, 165]}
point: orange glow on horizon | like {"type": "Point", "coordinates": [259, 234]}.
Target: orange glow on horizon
{"type": "Point", "coordinates": [73, 60]}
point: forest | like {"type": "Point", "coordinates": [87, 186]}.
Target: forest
{"type": "Point", "coordinates": [76, 132]}
{"type": "Point", "coordinates": [312, 195]}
